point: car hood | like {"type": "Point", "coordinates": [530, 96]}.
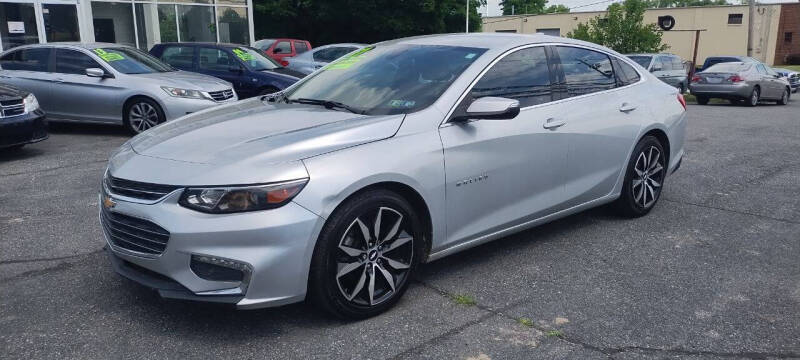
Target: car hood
{"type": "Point", "coordinates": [186, 80]}
{"type": "Point", "coordinates": [261, 132]}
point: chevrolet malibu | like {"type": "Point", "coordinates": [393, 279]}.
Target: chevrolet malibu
{"type": "Point", "coordinates": [338, 188]}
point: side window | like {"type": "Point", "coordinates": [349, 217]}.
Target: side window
{"type": "Point", "coordinates": [626, 74]}
{"type": "Point", "coordinates": [214, 59]}
{"type": "Point", "coordinates": [677, 63]}
{"type": "Point", "coordinates": [663, 64]}
{"type": "Point", "coordinates": [585, 71]}
{"type": "Point", "coordinates": [522, 75]}
{"type": "Point", "coordinates": [761, 70]}
{"type": "Point", "coordinates": [300, 47]}
{"type": "Point", "coordinates": [282, 47]}
{"type": "Point", "coordinates": [34, 59]}
{"type": "Point", "coordinates": [74, 62]}
{"type": "Point", "coordinates": [180, 57]}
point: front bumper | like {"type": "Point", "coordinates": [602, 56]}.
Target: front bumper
{"type": "Point", "coordinates": [737, 90]}
{"type": "Point", "coordinates": [175, 107]}
{"type": "Point", "coordinates": [276, 245]}
{"type": "Point", "coordinates": [23, 129]}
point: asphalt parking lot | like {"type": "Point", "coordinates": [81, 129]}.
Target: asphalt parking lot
{"type": "Point", "coordinates": [713, 272]}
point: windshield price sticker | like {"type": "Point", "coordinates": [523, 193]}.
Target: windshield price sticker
{"type": "Point", "coordinates": [241, 54]}
{"type": "Point", "coordinates": [347, 62]}
{"type": "Point", "coordinates": [108, 56]}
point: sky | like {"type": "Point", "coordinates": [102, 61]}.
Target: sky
{"type": "Point", "coordinates": [578, 5]}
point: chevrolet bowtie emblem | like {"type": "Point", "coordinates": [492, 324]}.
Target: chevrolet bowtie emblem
{"type": "Point", "coordinates": [108, 202]}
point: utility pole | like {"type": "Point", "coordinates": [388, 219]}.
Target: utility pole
{"type": "Point", "coordinates": [467, 16]}
{"type": "Point", "coordinates": [751, 17]}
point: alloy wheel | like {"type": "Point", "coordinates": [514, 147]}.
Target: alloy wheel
{"type": "Point", "coordinates": [374, 257]}
{"type": "Point", "coordinates": [142, 116]}
{"type": "Point", "coordinates": [754, 97]}
{"type": "Point", "coordinates": [649, 174]}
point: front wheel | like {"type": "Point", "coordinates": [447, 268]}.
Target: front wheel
{"type": "Point", "coordinates": [644, 178]}
{"type": "Point", "coordinates": [784, 97]}
{"type": "Point", "coordinates": [366, 255]}
{"type": "Point", "coordinates": [142, 114]}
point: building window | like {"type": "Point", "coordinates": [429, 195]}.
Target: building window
{"type": "Point", "coordinates": [233, 25]}
{"type": "Point", "coordinates": [787, 37]}
{"type": "Point", "coordinates": [196, 23]}
{"type": "Point", "coordinates": [550, 31]}
{"type": "Point", "coordinates": [60, 22]}
{"type": "Point", "coordinates": [18, 25]}
{"type": "Point", "coordinates": [506, 31]}
{"type": "Point", "coordinates": [113, 23]}
{"type": "Point", "coordinates": [735, 19]}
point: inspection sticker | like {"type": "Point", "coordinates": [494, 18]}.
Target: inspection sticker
{"type": "Point", "coordinates": [108, 56]}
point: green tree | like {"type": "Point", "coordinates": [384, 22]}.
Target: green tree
{"type": "Point", "coordinates": [530, 7]}
{"type": "Point", "coordinates": [331, 21]}
{"type": "Point", "coordinates": [683, 3]}
{"type": "Point", "coordinates": [622, 29]}
{"type": "Point", "coordinates": [553, 9]}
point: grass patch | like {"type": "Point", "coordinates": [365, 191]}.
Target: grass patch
{"type": "Point", "coordinates": [790, 67]}
{"type": "Point", "coordinates": [555, 333]}
{"type": "Point", "coordinates": [464, 300]}
{"type": "Point", "coordinates": [525, 322]}
{"type": "Point", "coordinates": [693, 100]}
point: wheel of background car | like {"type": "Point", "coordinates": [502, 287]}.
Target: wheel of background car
{"type": "Point", "coordinates": [142, 114]}
{"type": "Point", "coordinates": [366, 255]}
{"type": "Point", "coordinates": [754, 96]}
{"type": "Point", "coordinates": [784, 98]}
{"type": "Point", "coordinates": [702, 100]}
{"type": "Point", "coordinates": [644, 178]}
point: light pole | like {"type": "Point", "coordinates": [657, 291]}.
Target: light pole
{"type": "Point", "coordinates": [467, 12]}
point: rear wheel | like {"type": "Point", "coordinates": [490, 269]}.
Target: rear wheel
{"type": "Point", "coordinates": [784, 97]}
{"type": "Point", "coordinates": [644, 178]}
{"type": "Point", "coordinates": [142, 114]}
{"type": "Point", "coordinates": [754, 97]}
{"type": "Point", "coordinates": [366, 255]}
{"type": "Point", "coordinates": [702, 100]}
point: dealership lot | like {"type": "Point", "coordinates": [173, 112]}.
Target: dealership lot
{"type": "Point", "coordinates": [712, 272]}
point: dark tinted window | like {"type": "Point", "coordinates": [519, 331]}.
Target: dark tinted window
{"type": "Point", "coordinates": [180, 57]}
{"type": "Point", "coordinates": [626, 74]}
{"type": "Point", "coordinates": [677, 63]}
{"type": "Point", "coordinates": [300, 47]}
{"type": "Point", "coordinates": [27, 59]}
{"type": "Point", "coordinates": [332, 53]}
{"type": "Point", "coordinates": [585, 71]}
{"type": "Point", "coordinates": [282, 47]}
{"type": "Point", "coordinates": [215, 60]}
{"type": "Point", "coordinates": [522, 75]}
{"type": "Point", "coordinates": [735, 19]}
{"type": "Point", "coordinates": [642, 60]}
{"type": "Point", "coordinates": [717, 60]}
{"type": "Point", "coordinates": [74, 62]}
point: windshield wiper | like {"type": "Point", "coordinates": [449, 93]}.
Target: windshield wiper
{"type": "Point", "coordinates": [328, 104]}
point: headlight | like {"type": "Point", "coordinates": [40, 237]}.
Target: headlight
{"type": "Point", "coordinates": [184, 93]}
{"type": "Point", "coordinates": [224, 200]}
{"type": "Point", "coordinates": [30, 103]}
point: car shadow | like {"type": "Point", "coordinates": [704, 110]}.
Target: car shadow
{"type": "Point", "coordinates": [87, 129]}
{"type": "Point", "coordinates": [26, 152]}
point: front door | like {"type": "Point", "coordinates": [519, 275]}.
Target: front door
{"type": "Point", "coordinates": [77, 96]}
{"type": "Point", "coordinates": [221, 64]}
{"type": "Point", "coordinates": [501, 173]}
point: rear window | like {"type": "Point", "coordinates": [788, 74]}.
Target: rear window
{"type": "Point", "coordinates": [641, 60]}
{"type": "Point", "coordinates": [33, 59]}
{"type": "Point", "coordinates": [300, 47]}
{"type": "Point", "coordinates": [729, 67]}
{"type": "Point", "coordinates": [719, 60]}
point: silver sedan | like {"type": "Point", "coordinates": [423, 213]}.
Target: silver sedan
{"type": "Point", "coordinates": [109, 83]}
{"type": "Point", "coordinates": [341, 186]}
{"type": "Point", "coordinates": [316, 58]}
{"type": "Point", "coordinates": [740, 82]}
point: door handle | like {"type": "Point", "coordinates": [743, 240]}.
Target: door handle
{"type": "Point", "coordinates": [553, 124]}
{"type": "Point", "coordinates": [626, 107]}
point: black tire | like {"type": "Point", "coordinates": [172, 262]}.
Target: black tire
{"type": "Point", "coordinates": [682, 88]}
{"type": "Point", "coordinates": [784, 97]}
{"type": "Point", "coordinates": [702, 100]}
{"type": "Point", "coordinates": [755, 95]}
{"type": "Point", "coordinates": [330, 285]}
{"type": "Point", "coordinates": [649, 187]}
{"type": "Point", "coordinates": [140, 108]}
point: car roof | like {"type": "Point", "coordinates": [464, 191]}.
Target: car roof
{"type": "Point", "coordinates": [227, 45]}
{"type": "Point", "coordinates": [87, 46]}
{"type": "Point", "coordinates": [497, 41]}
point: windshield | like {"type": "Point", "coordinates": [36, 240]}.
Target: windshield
{"type": "Point", "coordinates": [388, 79]}
{"type": "Point", "coordinates": [264, 44]}
{"type": "Point", "coordinates": [728, 67]}
{"type": "Point", "coordinates": [254, 59]}
{"type": "Point", "coordinates": [719, 60]}
{"type": "Point", "coordinates": [132, 61]}
{"type": "Point", "coordinates": [642, 60]}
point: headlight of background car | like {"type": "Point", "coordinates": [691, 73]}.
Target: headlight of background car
{"type": "Point", "coordinates": [30, 103]}
{"type": "Point", "coordinates": [224, 200]}
{"type": "Point", "coordinates": [184, 93]}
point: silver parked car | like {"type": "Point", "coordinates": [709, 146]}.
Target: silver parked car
{"type": "Point", "coordinates": [339, 187]}
{"type": "Point", "coordinates": [740, 82]}
{"type": "Point", "coordinates": [316, 58]}
{"type": "Point", "coordinates": [109, 83]}
{"type": "Point", "coordinates": [666, 67]}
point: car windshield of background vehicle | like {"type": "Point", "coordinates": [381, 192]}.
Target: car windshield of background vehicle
{"type": "Point", "coordinates": [389, 79]}
{"type": "Point", "coordinates": [254, 60]}
{"type": "Point", "coordinates": [729, 67]}
{"type": "Point", "coordinates": [132, 61]}
{"type": "Point", "coordinates": [642, 60]}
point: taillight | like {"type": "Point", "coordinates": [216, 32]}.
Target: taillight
{"type": "Point", "coordinates": [682, 100]}
{"type": "Point", "coordinates": [735, 78]}
{"type": "Point", "coordinates": [696, 78]}
{"type": "Point", "coordinates": [284, 62]}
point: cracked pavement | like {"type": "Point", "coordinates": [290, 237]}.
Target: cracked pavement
{"type": "Point", "coordinates": [711, 273]}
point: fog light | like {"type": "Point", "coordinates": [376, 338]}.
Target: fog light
{"type": "Point", "coordinates": [213, 268]}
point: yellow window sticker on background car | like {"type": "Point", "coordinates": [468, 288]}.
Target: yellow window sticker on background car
{"type": "Point", "coordinates": [241, 54]}
{"type": "Point", "coordinates": [348, 61]}
{"type": "Point", "coordinates": [108, 56]}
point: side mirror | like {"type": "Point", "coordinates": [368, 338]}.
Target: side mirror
{"type": "Point", "coordinates": [95, 72]}
{"type": "Point", "coordinates": [277, 51]}
{"type": "Point", "coordinates": [492, 108]}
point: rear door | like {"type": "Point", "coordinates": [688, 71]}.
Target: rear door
{"type": "Point", "coordinates": [602, 118]}
{"type": "Point", "coordinates": [76, 96]}
{"type": "Point", "coordinates": [28, 69]}
{"type": "Point", "coordinates": [767, 82]}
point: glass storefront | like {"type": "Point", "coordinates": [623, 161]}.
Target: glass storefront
{"type": "Point", "coordinates": [61, 22]}
{"type": "Point", "coordinates": [20, 25]}
{"type": "Point", "coordinates": [196, 23]}
{"type": "Point", "coordinates": [113, 23]}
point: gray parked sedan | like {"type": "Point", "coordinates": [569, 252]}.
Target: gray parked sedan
{"type": "Point", "coordinates": [406, 151]}
{"type": "Point", "coordinates": [316, 58]}
{"type": "Point", "coordinates": [109, 83]}
{"type": "Point", "coordinates": [748, 82]}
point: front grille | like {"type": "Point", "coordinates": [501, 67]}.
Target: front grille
{"type": "Point", "coordinates": [221, 95]}
{"type": "Point", "coordinates": [12, 107]}
{"type": "Point", "coordinates": [133, 233]}
{"type": "Point", "coordinates": [138, 190]}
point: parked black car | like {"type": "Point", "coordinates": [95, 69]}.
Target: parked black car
{"type": "Point", "coordinates": [250, 72]}
{"type": "Point", "coordinates": [21, 120]}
